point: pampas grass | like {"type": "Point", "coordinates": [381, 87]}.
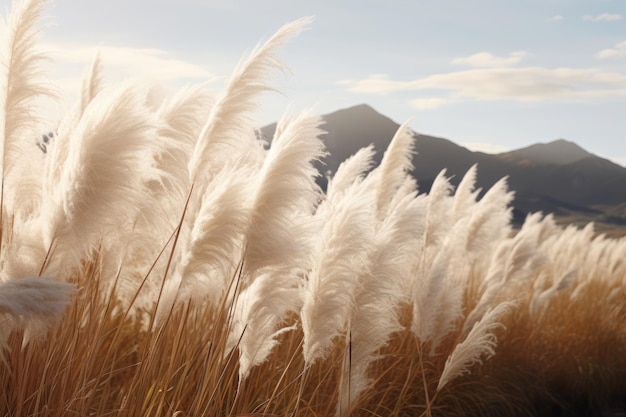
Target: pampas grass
{"type": "Point", "coordinates": [112, 139]}
{"type": "Point", "coordinates": [193, 269]}
{"type": "Point", "coordinates": [21, 79]}
{"type": "Point", "coordinates": [394, 167]}
{"type": "Point", "coordinates": [34, 298]}
{"type": "Point", "coordinates": [338, 258]}
{"type": "Point", "coordinates": [32, 301]}
{"type": "Point", "coordinates": [208, 260]}
{"type": "Point", "coordinates": [229, 122]}
{"type": "Point", "coordinates": [284, 197]}
{"type": "Point", "coordinates": [479, 342]}
{"type": "Point", "coordinates": [92, 83]}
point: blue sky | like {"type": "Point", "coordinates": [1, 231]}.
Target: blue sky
{"type": "Point", "coordinates": [491, 75]}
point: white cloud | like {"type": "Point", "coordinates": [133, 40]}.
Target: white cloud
{"type": "Point", "coordinates": [70, 61]}
{"type": "Point", "coordinates": [604, 17]}
{"type": "Point", "coordinates": [488, 60]}
{"type": "Point", "coordinates": [484, 147]}
{"type": "Point", "coordinates": [519, 84]}
{"type": "Point", "coordinates": [344, 82]}
{"type": "Point", "coordinates": [431, 103]}
{"type": "Point", "coordinates": [142, 62]}
{"type": "Point", "coordinates": [556, 18]}
{"type": "Point", "coordinates": [379, 84]}
{"type": "Point", "coordinates": [617, 50]}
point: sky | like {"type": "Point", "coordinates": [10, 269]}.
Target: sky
{"type": "Point", "coordinates": [489, 75]}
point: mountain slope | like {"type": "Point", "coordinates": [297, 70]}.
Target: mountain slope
{"type": "Point", "coordinates": [558, 177]}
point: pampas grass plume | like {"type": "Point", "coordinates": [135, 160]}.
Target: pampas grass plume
{"type": "Point", "coordinates": [394, 167]}
{"type": "Point", "coordinates": [33, 302]}
{"type": "Point", "coordinates": [479, 345]}
{"type": "Point", "coordinates": [102, 182]}
{"type": "Point", "coordinates": [284, 195]}
{"type": "Point", "coordinates": [209, 256]}
{"type": "Point", "coordinates": [229, 122]}
{"type": "Point", "coordinates": [34, 298]}
{"type": "Point", "coordinates": [261, 311]}
{"type": "Point", "coordinates": [339, 257]}
{"type": "Point", "coordinates": [92, 83]}
{"type": "Point", "coordinates": [350, 170]}
{"type": "Point", "coordinates": [21, 80]}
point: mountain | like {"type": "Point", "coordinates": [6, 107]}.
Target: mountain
{"type": "Point", "coordinates": [558, 177]}
{"type": "Point", "coordinates": [349, 130]}
{"type": "Point", "coordinates": [559, 152]}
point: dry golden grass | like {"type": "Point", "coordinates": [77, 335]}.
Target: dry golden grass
{"type": "Point", "coordinates": [99, 361]}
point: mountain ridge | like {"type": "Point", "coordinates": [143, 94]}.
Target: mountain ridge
{"type": "Point", "coordinates": [559, 151]}
{"type": "Point", "coordinates": [559, 177]}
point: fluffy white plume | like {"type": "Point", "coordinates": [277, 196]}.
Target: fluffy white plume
{"type": "Point", "coordinates": [479, 345]}
{"type": "Point", "coordinates": [102, 181]}
{"type": "Point", "coordinates": [179, 123]}
{"type": "Point", "coordinates": [395, 165]}
{"type": "Point", "coordinates": [408, 187]}
{"type": "Point", "coordinates": [430, 266]}
{"type": "Point", "coordinates": [465, 194]}
{"type": "Point", "coordinates": [92, 83]}
{"type": "Point", "coordinates": [21, 81]}
{"type": "Point", "coordinates": [338, 259]}
{"type": "Point", "coordinates": [351, 170]}
{"type": "Point", "coordinates": [209, 258]}
{"type": "Point", "coordinates": [229, 123]}
{"type": "Point", "coordinates": [437, 300]}
{"type": "Point", "coordinates": [513, 264]}
{"type": "Point", "coordinates": [438, 295]}
{"type": "Point", "coordinates": [284, 197]}
{"type": "Point", "coordinates": [182, 116]}
{"type": "Point", "coordinates": [261, 311]}
{"type": "Point", "coordinates": [26, 301]}
{"type": "Point", "coordinates": [438, 217]}
{"type": "Point", "coordinates": [34, 298]}
{"type": "Point", "coordinates": [381, 291]}
{"type": "Point", "coordinates": [23, 85]}
{"type": "Point", "coordinates": [489, 222]}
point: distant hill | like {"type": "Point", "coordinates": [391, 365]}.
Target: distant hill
{"type": "Point", "coordinates": [559, 177]}
{"type": "Point", "coordinates": [559, 152]}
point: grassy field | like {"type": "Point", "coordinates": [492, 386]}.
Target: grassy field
{"type": "Point", "coordinates": [159, 260]}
